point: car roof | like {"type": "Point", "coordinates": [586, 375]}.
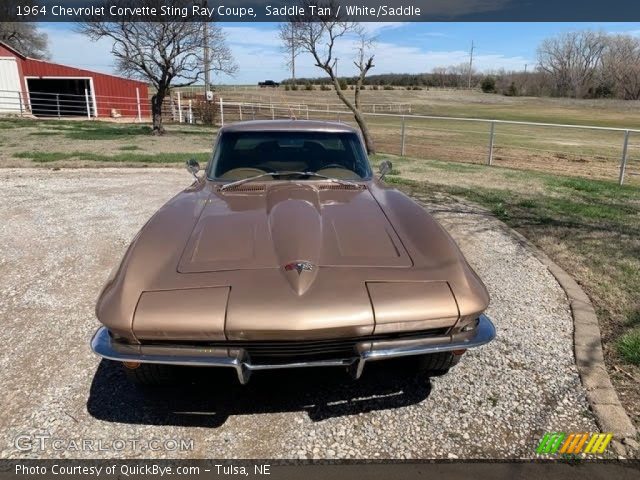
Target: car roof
{"type": "Point", "coordinates": [288, 125]}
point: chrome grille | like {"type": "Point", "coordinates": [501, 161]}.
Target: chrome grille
{"type": "Point", "coordinates": [274, 351]}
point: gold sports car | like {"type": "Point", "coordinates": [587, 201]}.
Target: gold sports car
{"type": "Point", "coordinates": [289, 252]}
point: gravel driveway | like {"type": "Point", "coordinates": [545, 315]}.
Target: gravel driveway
{"type": "Point", "coordinates": [61, 232]}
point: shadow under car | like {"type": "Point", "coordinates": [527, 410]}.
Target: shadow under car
{"type": "Point", "coordinates": [206, 397]}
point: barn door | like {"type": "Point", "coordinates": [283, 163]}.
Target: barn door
{"type": "Point", "coordinates": [60, 97]}
{"type": "Point", "coordinates": [10, 88]}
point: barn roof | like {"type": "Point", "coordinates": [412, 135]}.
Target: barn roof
{"type": "Point", "coordinates": [13, 50]}
{"type": "Point", "coordinates": [62, 66]}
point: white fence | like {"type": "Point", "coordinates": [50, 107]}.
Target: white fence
{"type": "Point", "coordinates": [583, 150]}
{"type": "Point", "coordinates": [83, 104]}
{"type": "Point", "coordinates": [579, 150]}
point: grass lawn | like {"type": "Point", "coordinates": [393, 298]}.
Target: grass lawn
{"type": "Point", "coordinates": [47, 157]}
{"type": "Point", "coordinates": [68, 143]}
{"type": "Point", "coordinates": [589, 227]}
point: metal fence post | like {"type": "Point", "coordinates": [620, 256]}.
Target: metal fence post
{"type": "Point", "coordinates": [273, 113]}
{"type": "Point", "coordinates": [240, 110]}
{"type": "Point", "coordinates": [58, 103]}
{"type": "Point", "coordinates": [623, 160]}
{"type": "Point", "coordinates": [190, 112]}
{"type": "Point", "coordinates": [86, 98]}
{"type": "Point", "coordinates": [179, 108]}
{"type": "Point", "coordinates": [403, 137]}
{"type": "Point", "coordinates": [491, 137]}
{"type": "Point", "coordinates": [20, 102]}
{"type": "Point", "coordinates": [138, 102]}
{"type": "Point", "coordinates": [221, 112]}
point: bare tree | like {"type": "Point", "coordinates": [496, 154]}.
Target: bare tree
{"type": "Point", "coordinates": [460, 75]}
{"type": "Point", "coordinates": [440, 75]}
{"type": "Point", "coordinates": [318, 36]}
{"type": "Point", "coordinates": [621, 66]}
{"type": "Point", "coordinates": [286, 32]}
{"type": "Point", "coordinates": [572, 60]}
{"type": "Point", "coordinates": [168, 54]}
{"type": "Point", "coordinates": [26, 38]}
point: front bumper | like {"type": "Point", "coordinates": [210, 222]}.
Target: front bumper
{"type": "Point", "coordinates": [104, 345]}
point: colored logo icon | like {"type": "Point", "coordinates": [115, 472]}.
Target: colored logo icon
{"type": "Point", "coordinates": [574, 443]}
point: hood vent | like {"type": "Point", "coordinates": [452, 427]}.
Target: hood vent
{"type": "Point", "coordinates": [338, 186]}
{"type": "Point", "coordinates": [245, 188]}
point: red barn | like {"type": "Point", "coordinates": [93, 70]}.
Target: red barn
{"type": "Point", "coordinates": [50, 89]}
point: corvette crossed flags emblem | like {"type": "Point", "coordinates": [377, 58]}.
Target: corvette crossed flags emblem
{"type": "Point", "coordinates": [299, 267]}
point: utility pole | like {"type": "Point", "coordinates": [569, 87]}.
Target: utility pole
{"type": "Point", "coordinates": [470, 64]}
{"type": "Point", "coordinates": [207, 56]}
{"type": "Point", "coordinates": [293, 56]}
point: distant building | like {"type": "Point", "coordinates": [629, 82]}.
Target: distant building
{"type": "Point", "coordinates": [49, 89]}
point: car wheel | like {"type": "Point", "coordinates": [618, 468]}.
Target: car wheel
{"type": "Point", "coordinates": [436, 364]}
{"type": "Point", "coordinates": [149, 374]}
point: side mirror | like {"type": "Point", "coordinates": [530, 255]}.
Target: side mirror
{"type": "Point", "coordinates": [193, 167]}
{"type": "Point", "coordinates": [384, 168]}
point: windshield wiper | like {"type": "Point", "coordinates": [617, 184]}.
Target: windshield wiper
{"type": "Point", "coordinates": [270, 174]}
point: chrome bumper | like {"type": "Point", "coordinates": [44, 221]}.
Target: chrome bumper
{"type": "Point", "coordinates": [104, 345]}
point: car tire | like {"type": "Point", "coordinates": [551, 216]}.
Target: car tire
{"type": "Point", "coordinates": [150, 374]}
{"type": "Point", "coordinates": [436, 364]}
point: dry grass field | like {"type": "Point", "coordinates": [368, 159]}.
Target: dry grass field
{"type": "Point", "coordinates": [588, 153]}
{"type": "Point", "coordinates": [468, 104]}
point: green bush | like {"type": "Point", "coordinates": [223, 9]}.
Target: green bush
{"type": "Point", "coordinates": [308, 86]}
{"type": "Point", "coordinates": [325, 87]}
{"type": "Point", "coordinates": [388, 87]}
{"type": "Point", "coordinates": [343, 84]}
{"type": "Point", "coordinates": [416, 88]}
{"type": "Point", "coordinates": [294, 87]}
{"type": "Point", "coordinates": [488, 84]}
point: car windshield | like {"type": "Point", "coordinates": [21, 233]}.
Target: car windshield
{"type": "Point", "coordinates": [241, 155]}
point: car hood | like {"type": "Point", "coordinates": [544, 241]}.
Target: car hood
{"type": "Point", "coordinates": [274, 225]}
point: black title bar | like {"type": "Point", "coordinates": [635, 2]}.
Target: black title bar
{"type": "Point", "coordinates": [314, 470]}
{"type": "Point", "coordinates": [347, 10]}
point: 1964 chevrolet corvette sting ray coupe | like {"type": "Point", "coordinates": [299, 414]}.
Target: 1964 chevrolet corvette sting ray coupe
{"type": "Point", "coordinates": [289, 252]}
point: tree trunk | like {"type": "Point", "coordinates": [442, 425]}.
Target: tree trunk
{"type": "Point", "coordinates": [368, 139]}
{"type": "Point", "coordinates": [156, 112]}
{"type": "Point", "coordinates": [360, 120]}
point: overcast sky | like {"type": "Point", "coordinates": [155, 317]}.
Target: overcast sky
{"type": "Point", "coordinates": [401, 47]}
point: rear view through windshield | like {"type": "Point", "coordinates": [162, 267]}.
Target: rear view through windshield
{"type": "Point", "coordinates": [246, 154]}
